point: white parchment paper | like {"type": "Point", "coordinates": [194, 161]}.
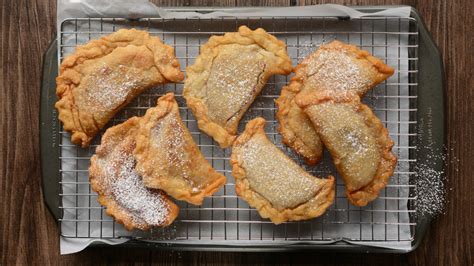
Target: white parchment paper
{"type": "Point", "coordinates": [143, 9]}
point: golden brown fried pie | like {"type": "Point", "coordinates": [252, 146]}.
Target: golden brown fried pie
{"type": "Point", "coordinates": [272, 183]}
{"type": "Point", "coordinates": [337, 68]}
{"type": "Point", "coordinates": [120, 188]}
{"type": "Point", "coordinates": [227, 76]}
{"type": "Point", "coordinates": [357, 140]}
{"type": "Point", "coordinates": [101, 77]}
{"type": "Point", "coordinates": [169, 159]}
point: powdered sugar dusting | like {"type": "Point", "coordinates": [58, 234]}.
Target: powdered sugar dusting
{"type": "Point", "coordinates": [109, 88]}
{"type": "Point", "coordinates": [358, 142]}
{"type": "Point", "coordinates": [336, 71]}
{"type": "Point", "coordinates": [350, 139]}
{"type": "Point", "coordinates": [274, 176]}
{"type": "Point", "coordinates": [168, 138]}
{"type": "Point", "coordinates": [234, 81]}
{"type": "Point", "coordinates": [125, 185]}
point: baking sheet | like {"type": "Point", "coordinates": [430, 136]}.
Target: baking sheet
{"type": "Point", "coordinates": [225, 217]}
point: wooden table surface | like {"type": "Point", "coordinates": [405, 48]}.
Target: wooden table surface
{"type": "Point", "coordinates": [29, 233]}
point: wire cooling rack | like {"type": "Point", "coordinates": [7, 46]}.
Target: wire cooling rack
{"type": "Point", "coordinates": [224, 217]}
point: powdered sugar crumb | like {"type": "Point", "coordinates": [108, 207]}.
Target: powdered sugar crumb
{"type": "Point", "coordinates": [358, 142]}
{"type": "Point", "coordinates": [429, 190]}
{"type": "Point", "coordinates": [430, 177]}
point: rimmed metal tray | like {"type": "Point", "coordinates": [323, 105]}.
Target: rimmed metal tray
{"type": "Point", "coordinates": [225, 222]}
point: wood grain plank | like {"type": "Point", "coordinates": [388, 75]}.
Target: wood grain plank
{"type": "Point", "coordinates": [25, 222]}
{"type": "Point", "coordinates": [451, 233]}
{"type": "Point", "coordinates": [29, 235]}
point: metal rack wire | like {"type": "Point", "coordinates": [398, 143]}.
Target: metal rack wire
{"type": "Point", "coordinates": [224, 216]}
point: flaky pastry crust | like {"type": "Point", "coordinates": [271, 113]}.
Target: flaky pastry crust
{"type": "Point", "coordinates": [336, 67]}
{"type": "Point", "coordinates": [366, 171]}
{"type": "Point", "coordinates": [120, 188]}
{"type": "Point", "coordinates": [169, 159]}
{"type": "Point", "coordinates": [272, 183]}
{"type": "Point", "coordinates": [227, 76]}
{"type": "Point", "coordinates": [102, 76]}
